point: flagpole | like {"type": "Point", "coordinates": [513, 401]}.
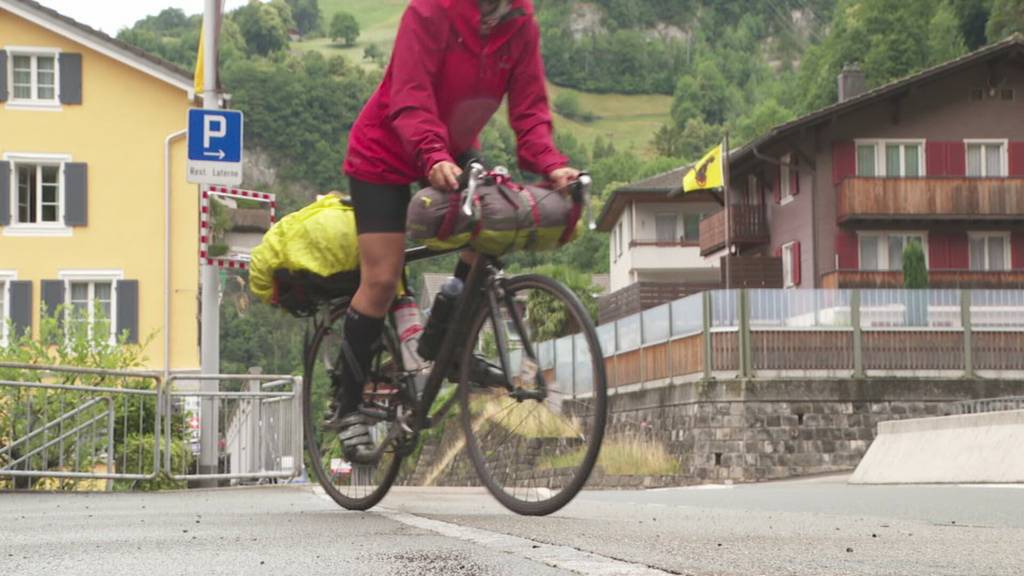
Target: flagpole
{"type": "Point", "coordinates": [728, 213]}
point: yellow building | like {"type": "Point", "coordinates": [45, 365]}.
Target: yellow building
{"type": "Point", "coordinates": [85, 122]}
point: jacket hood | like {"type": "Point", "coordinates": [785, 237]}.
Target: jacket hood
{"type": "Point", "coordinates": [466, 15]}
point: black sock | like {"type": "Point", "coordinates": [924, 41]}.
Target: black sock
{"type": "Point", "coordinates": [361, 333]}
{"type": "Point", "coordinates": [462, 270]}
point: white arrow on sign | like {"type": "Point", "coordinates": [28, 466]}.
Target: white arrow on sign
{"type": "Point", "coordinates": [219, 154]}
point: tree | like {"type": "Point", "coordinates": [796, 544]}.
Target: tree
{"type": "Point", "coordinates": [915, 271]}
{"type": "Point", "coordinates": [765, 116]}
{"type": "Point", "coordinates": [307, 16]}
{"type": "Point", "coordinates": [263, 26]}
{"type": "Point", "coordinates": [344, 27]}
{"type": "Point", "coordinates": [549, 319]}
{"type": "Point", "coordinates": [1007, 18]}
{"type": "Point", "coordinates": [945, 40]}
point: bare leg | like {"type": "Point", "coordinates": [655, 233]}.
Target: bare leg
{"type": "Point", "coordinates": [382, 257]}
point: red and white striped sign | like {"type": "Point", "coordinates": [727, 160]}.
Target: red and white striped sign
{"type": "Point", "coordinates": [229, 260]}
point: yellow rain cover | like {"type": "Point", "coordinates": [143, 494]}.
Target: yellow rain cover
{"type": "Point", "coordinates": [320, 238]}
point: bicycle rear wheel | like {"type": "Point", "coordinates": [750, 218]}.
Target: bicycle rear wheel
{"type": "Point", "coordinates": [355, 487]}
{"type": "Point", "coordinates": [534, 447]}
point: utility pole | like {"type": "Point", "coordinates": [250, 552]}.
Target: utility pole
{"type": "Point", "coordinates": [209, 277]}
{"type": "Point", "coordinates": [728, 213]}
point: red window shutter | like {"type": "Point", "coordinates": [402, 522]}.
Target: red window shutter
{"type": "Point", "coordinates": [794, 175]}
{"type": "Point", "coordinates": [796, 263]}
{"type": "Point", "coordinates": [777, 252]}
{"type": "Point", "coordinates": [1017, 159]}
{"type": "Point", "coordinates": [935, 158]}
{"type": "Point", "coordinates": [847, 250]}
{"type": "Point", "coordinates": [1017, 250]}
{"type": "Point", "coordinates": [938, 251]}
{"type": "Point", "coordinates": [956, 159]}
{"type": "Point", "coordinates": [777, 186]}
{"type": "Point", "coordinates": [844, 161]}
{"type": "Point", "coordinates": [959, 251]}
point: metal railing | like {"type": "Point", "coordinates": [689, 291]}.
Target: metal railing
{"type": "Point", "coordinates": [990, 405]}
{"type": "Point", "coordinates": [64, 427]}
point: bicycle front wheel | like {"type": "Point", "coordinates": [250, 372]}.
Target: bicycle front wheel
{"type": "Point", "coordinates": [535, 445]}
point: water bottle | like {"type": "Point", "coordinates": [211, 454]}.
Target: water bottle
{"type": "Point", "coordinates": [409, 325]}
{"type": "Point", "coordinates": [440, 318]}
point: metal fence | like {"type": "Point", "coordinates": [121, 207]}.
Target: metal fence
{"type": "Point", "coordinates": [812, 333]}
{"type": "Point", "coordinates": [75, 428]}
{"type": "Point", "coordinates": [991, 405]}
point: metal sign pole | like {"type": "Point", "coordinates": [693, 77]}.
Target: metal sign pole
{"type": "Point", "coordinates": [209, 450]}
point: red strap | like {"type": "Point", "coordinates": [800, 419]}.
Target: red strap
{"type": "Point", "coordinates": [534, 208]}
{"type": "Point", "coordinates": [570, 226]}
{"type": "Point", "coordinates": [450, 218]}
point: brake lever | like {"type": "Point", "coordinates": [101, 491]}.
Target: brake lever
{"type": "Point", "coordinates": [476, 172]}
{"type": "Point", "coordinates": [583, 184]}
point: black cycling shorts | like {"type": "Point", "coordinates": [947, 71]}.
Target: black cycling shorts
{"type": "Point", "coordinates": [379, 208]}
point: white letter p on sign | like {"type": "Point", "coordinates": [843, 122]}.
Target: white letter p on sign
{"type": "Point", "coordinates": [213, 127]}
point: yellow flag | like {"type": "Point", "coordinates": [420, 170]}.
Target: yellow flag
{"type": "Point", "coordinates": [200, 71]}
{"type": "Point", "coordinates": [708, 173]}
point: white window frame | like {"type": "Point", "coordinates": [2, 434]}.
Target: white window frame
{"type": "Point", "coordinates": [881, 158]}
{"type": "Point", "coordinates": [786, 180]}
{"type": "Point", "coordinates": [618, 239]}
{"type": "Point", "coordinates": [16, 228]}
{"type": "Point", "coordinates": [78, 276]}
{"type": "Point", "coordinates": [788, 265]}
{"type": "Point", "coordinates": [6, 277]}
{"type": "Point", "coordinates": [1005, 156]}
{"type": "Point", "coordinates": [1007, 260]}
{"type": "Point", "coordinates": [883, 248]}
{"type": "Point", "coordinates": [33, 103]}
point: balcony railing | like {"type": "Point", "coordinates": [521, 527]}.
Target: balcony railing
{"type": "Point", "coordinates": [749, 226]}
{"type": "Point", "coordinates": [1010, 279]}
{"type": "Point", "coordinates": [931, 198]}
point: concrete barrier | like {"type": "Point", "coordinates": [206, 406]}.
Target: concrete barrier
{"type": "Point", "coordinates": [968, 449]}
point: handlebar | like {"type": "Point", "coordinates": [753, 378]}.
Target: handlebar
{"type": "Point", "coordinates": [475, 173]}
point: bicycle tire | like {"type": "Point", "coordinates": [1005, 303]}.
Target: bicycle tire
{"type": "Point", "coordinates": [310, 418]}
{"type": "Point", "coordinates": [598, 395]}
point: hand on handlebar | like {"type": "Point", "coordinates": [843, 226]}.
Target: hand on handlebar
{"type": "Point", "coordinates": [445, 176]}
{"type": "Point", "coordinates": [563, 177]}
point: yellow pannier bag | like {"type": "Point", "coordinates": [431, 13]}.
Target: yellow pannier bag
{"type": "Point", "coordinates": [308, 257]}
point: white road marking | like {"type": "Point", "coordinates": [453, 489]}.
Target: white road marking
{"type": "Point", "coordinates": [561, 557]}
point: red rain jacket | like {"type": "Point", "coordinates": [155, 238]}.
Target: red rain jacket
{"type": "Point", "coordinates": [443, 84]}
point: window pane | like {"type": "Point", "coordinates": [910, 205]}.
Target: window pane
{"type": "Point", "coordinates": [665, 227]}
{"type": "Point", "coordinates": [869, 252]}
{"type": "Point", "coordinates": [896, 253]}
{"type": "Point", "coordinates": [974, 169]}
{"type": "Point", "coordinates": [913, 161]}
{"type": "Point", "coordinates": [49, 213]}
{"type": "Point", "coordinates": [978, 253]}
{"type": "Point", "coordinates": [993, 161]}
{"type": "Point", "coordinates": [26, 194]}
{"type": "Point", "coordinates": [996, 253]}
{"type": "Point", "coordinates": [51, 174]}
{"type": "Point", "coordinates": [866, 160]}
{"type": "Point", "coordinates": [45, 64]}
{"type": "Point", "coordinates": [79, 292]}
{"type": "Point", "coordinates": [691, 227]}
{"type": "Point", "coordinates": [103, 290]}
{"type": "Point", "coordinates": [892, 160]}
{"type": "Point", "coordinates": [45, 78]}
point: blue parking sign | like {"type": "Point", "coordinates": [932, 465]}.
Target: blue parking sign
{"type": "Point", "coordinates": [215, 142]}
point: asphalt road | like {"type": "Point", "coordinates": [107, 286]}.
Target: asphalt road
{"type": "Point", "coordinates": [818, 527]}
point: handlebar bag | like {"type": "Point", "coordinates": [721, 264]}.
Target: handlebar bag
{"type": "Point", "coordinates": [307, 258]}
{"type": "Point", "coordinates": [507, 217]}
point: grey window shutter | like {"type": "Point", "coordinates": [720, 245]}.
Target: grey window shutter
{"type": "Point", "coordinates": [5, 192]}
{"type": "Point", "coordinates": [128, 310]}
{"type": "Point", "coordinates": [3, 76]}
{"type": "Point", "coordinates": [53, 296]}
{"type": "Point", "coordinates": [76, 194]}
{"type": "Point", "coordinates": [21, 307]}
{"type": "Point", "coordinates": [70, 78]}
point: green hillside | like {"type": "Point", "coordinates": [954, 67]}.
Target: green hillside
{"type": "Point", "coordinates": [627, 120]}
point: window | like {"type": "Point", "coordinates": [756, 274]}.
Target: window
{"type": "Point", "coordinates": [890, 158]}
{"type": "Point", "coordinates": [665, 228]}
{"type": "Point", "coordinates": [691, 227]}
{"type": "Point", "coordinates": [34, 77]}
{"type": "Point", "coordinates": [790, 265]}
{"type": "Point", "coordinates": [38, 190]}
{"type": "Point", "coordinates": [883, 251]}
{"type": "Point", "coordinates": [89, 307]}
{"type": "Point", "coordinates": [986, 159]}
{"type": "Point", "coordinates": [618, 240]}
{"type": "Point", "coordinates": [990, 252]}
{"type": "Point", "coordinates": [786, 180]}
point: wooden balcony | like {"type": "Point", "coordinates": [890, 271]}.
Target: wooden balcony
{"type": "Point", "coordinates": [990, 199]}
{"type": "Point", "coordinates": [1010, 279]}
{"type": "Point", "coordinates": [749, 226]}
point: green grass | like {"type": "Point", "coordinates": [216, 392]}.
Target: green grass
{"type": "Point", "coordinates": [629, 121]}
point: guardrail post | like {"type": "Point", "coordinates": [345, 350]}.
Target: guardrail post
{"type": "Point", "coordinates": [858, 334]}
{"type": "Point", "coordinates": [746, 346]}
{"type": "Point", "coordinates": [110, 442]}
{"type": "Point", "coordinates": [708, 348]}
{"type": "Point", "coordinates": [668, 347]}
{"type": "Point", "coordinates": [965, 319]}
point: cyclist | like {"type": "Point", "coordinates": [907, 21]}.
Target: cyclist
{"type": "Point", "coordinates": [453, 63]}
